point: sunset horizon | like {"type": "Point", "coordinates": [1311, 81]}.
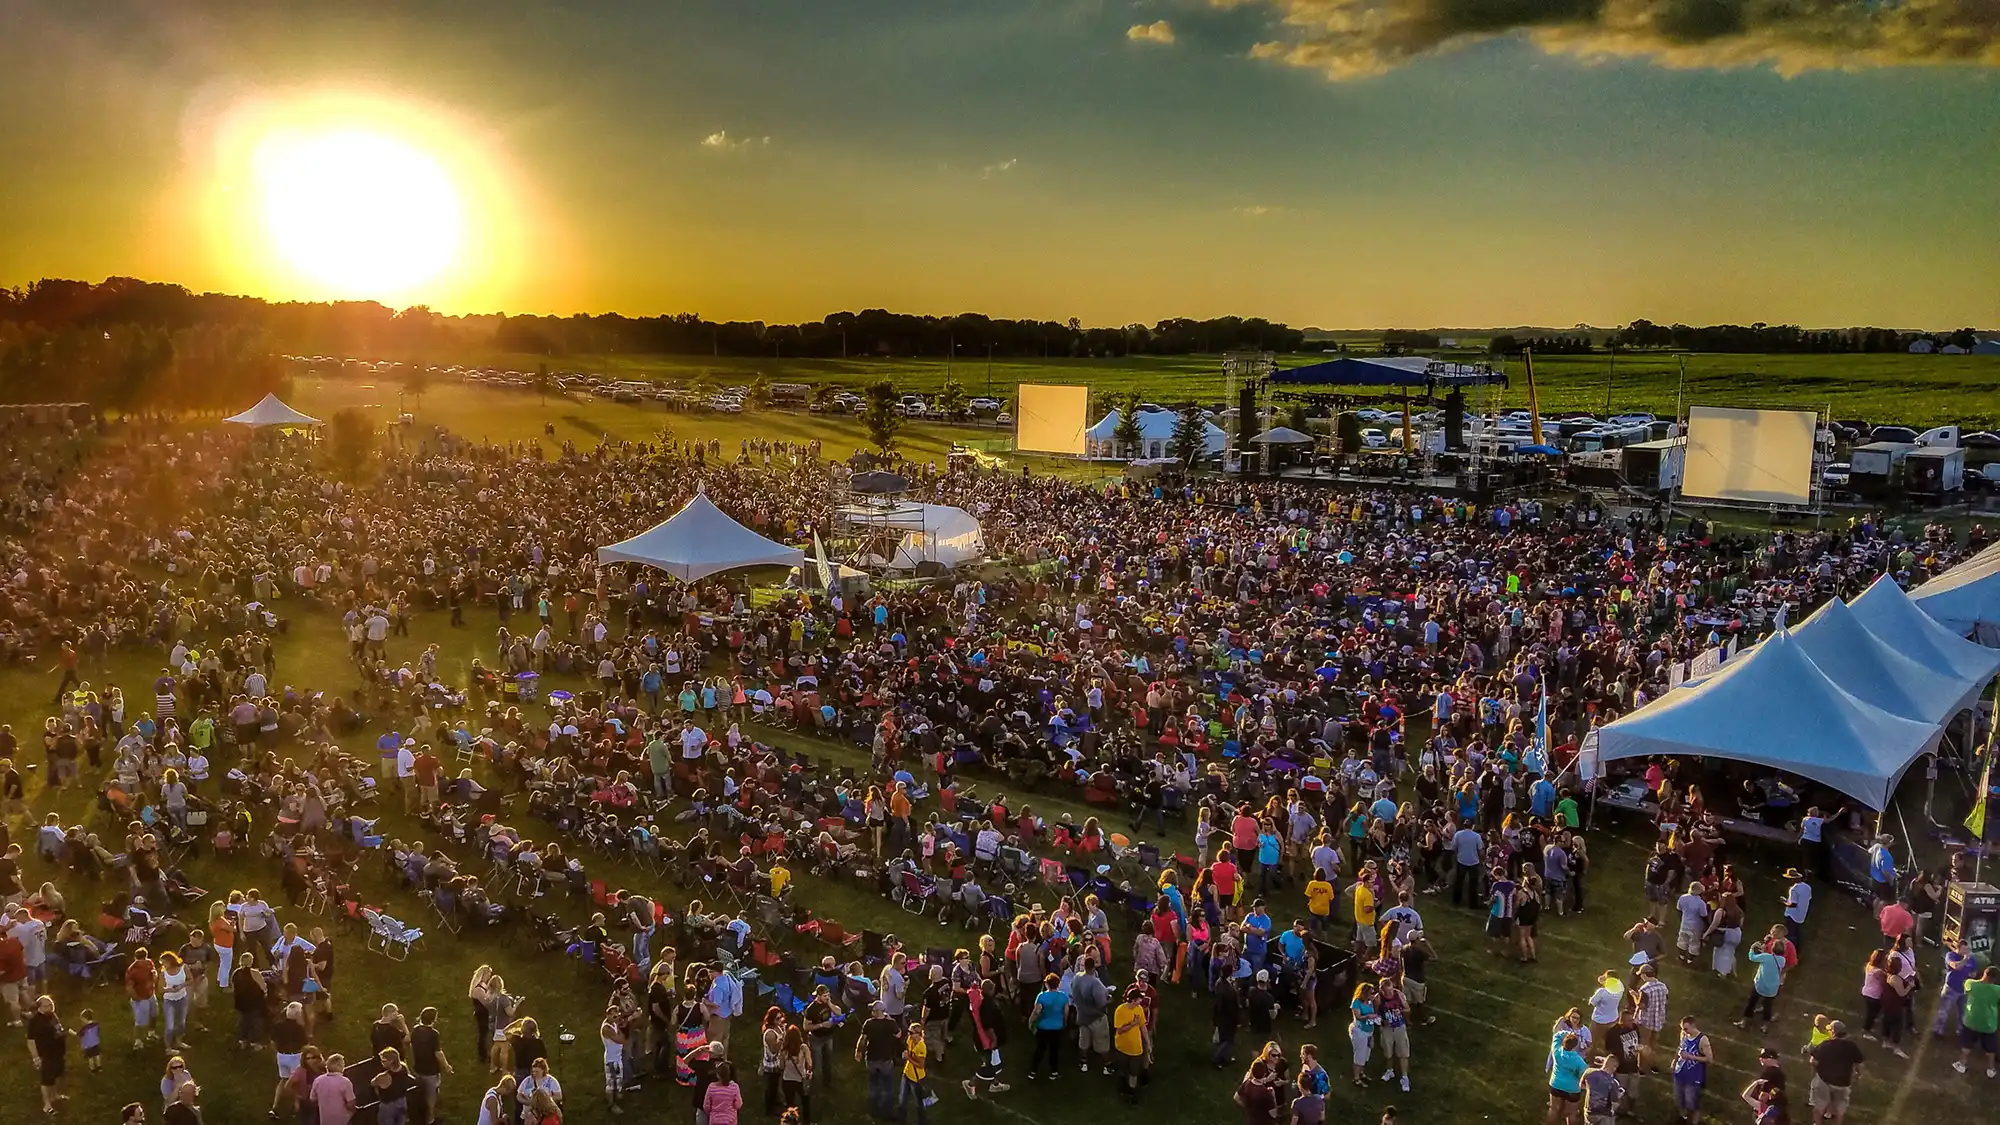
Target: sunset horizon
{"type": "Point", "coordinates": [1113, 162]}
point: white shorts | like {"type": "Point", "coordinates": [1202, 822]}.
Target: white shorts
{"type": "Point", "coordinates": [286, 1065]}
{"type": "Point", "coordinates": [1363, 1043]}
{"type": "Point", "coordinates": [1416, 991]}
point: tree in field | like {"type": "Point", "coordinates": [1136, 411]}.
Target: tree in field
{"type": "Point", "coordinates": [1300, 417]}
{"type": "Point", "coordinates": [951, 399]}
{"type": "Point", "coordinates": [542, 381]}
{"type": "Point", "coordinates": [1190, 440]}
{"type": "Point", "coordinates": [1127, 433]}
{"type": "Point", "coordinates": [1347, 429]}
{"type": "Point", "coordinates": [417, 382]}
{"type": "Point", "coordinates": [760, 391]}
{"type": "Point", "coordinates": [881, 416]}
{"type": "Point", "coordinates": [350, 444]}
{"type": "Point", "coordinates": [822, 394]}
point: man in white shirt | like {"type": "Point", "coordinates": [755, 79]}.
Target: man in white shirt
{"type": "Point", "coordinates": [406, 773]}
{"type": "Point", "coordinates": [694, 741]}
{"type": "Point", "coordinates": [1798, 902]}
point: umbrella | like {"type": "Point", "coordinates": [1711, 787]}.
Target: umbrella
{"type": "Point", "coordinates": [878, 482]}
{"type": "Point", "coordinates": [1283, 435]}
{"type": "Point", "coordinates": [1550, 450]}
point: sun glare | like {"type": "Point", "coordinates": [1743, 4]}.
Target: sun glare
{"type": "Point", "coordinates": [363, 213]}
{"type": "Point", "coordinates": [358, 195]}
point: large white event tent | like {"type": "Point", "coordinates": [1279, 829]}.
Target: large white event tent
{"type": "Point", "coordinates": [1966, 598]}
{"type": "Point", "coordinates": [1774, 707]}
{"type": "Point", "coordinates": [1156, 436]}
{"type": "Point", "coordinates": [697, 541]}
{"type": "Point", "coordinates": [271, 411]}
{"type": "Point", "coordinates": [1889, 613]}
{"type": "Point", "coordinates": [1878, 672]}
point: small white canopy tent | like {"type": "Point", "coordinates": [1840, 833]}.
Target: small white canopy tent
{"type": "Point", "coordinates": [1966, 598]}
{"type": "Point", "coordinates": [271, 411]}
{"type": "Point", "coordinates": [1283, 435]}
{"type": "Point", "coordinates": [1889, 613]}
{"type": "Point", "coordinates": [697, 541]}
{"type": "Point", "coordinates": [1874, 671]}
{"type": "Point", "coordinates": [1774, 707]}
{"type": "Point", "coordinates": [1156, 436]}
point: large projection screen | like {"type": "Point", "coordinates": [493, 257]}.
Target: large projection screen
{"type": "Point", "coordinates": [1051, 418]}
{"type": "Point", "coordinates": [1750, 456]}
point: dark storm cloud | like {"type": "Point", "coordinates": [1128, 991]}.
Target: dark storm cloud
{"type": "Point", "coordinates": [1356, 38]}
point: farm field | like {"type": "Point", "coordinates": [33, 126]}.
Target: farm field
{"type": "Point", "coordinates": [1931, 389]}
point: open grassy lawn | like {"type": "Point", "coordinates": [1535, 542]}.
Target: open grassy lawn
{"type": "Point", "coordinates": [1481, 1061]}
{"type": "Point", "coordinates": [1929, 389]}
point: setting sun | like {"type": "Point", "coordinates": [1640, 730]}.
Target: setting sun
{"type": "Point", "coordinates": [339, 194]}
{"type": "Point", "coordinates": [362, 213]}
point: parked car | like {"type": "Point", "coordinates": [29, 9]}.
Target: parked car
{"type": "Point", "coordinates": [1836, 475]}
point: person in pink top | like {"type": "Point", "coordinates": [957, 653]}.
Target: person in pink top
{"type": "Point", "coordinates": [1243, 831]}
{"type": "Point", "coordinates": [723, 1099]}
{"type": "Point", "coordinates": [333, 1094]}
{"type": "Point", "coordinates": [1896, 921]}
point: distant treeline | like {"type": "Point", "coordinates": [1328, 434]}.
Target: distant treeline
{"type": "Point", "coordinates": [130, 343]}
{"type": "Point", "coordinates": [1732, 338]}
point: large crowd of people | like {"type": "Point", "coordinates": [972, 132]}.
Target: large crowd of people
{"type": "Point", "coordinates": [1336, 697]}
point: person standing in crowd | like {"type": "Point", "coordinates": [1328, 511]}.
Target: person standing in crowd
{"type": "Point", "coordinates": [48, 1050]}
{"type": "Point", "coordinates": [1766, 978]}
{"type": "Point", "coordinates": [333, 1093]}
{"type": "Point", "coordinates": [428, 1062]}
{"type": "Point", "coordinates": [1131, 1038]}
{"type": "Point", "coordinates": [1566, 1069]}
{"type": "Point", "coordinates": [1979, 1026]}
{"type": "Point", "coordinates": [1797, 904]}
{"type": "Point", "coordinates": [1691, 1065]}
{"type": "Point", "coordinates": [1836, 1063]}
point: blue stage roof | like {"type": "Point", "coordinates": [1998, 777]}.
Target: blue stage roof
{"type": "Point", "coordinates": [1387, 371]}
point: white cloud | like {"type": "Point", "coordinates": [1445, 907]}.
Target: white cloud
{"type": "Point", "coordinates": [1259, 210]}
{"type": "Point", "coordinates": [720, 139]}
{"type": "Point", "coordinates": [999, 169]}
{"type": "Point", "coordinates": [1159, 31]}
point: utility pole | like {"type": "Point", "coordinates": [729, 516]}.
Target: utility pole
{"type": "Point", "coordinates": [989, 369]}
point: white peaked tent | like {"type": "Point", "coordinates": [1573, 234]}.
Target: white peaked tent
{"type": "Point", "coordinates": [1156, 436]}
{"type": "Point", "coordinates": [1283, 435]}
{"type": "Point", "coordinates": [1889, 613]}
{"type": "Point", "coordinates": [1774, 707]}
{"type": "Point", "coordinates": [699, 540]}
{"type": "Point", "coordinates": [270, 411]}
{"type": "Point", "coordinates": [1874, 671]}
{"type": "Point", "coordinates": [1966, 598]}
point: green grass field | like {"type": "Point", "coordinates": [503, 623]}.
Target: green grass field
{"type": "Point", "coordinates": [1482, 1060]}
{"type": "Point", "coordinates": [1931, 389]}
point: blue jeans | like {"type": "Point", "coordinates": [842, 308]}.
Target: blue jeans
{"type": "Point", "coordinates": [392, 1113]}
{"type": "Point", "coordinates": [642, 946]}
{"type": "Point", "coordinates": [881, 1088]}
{"type": "Point", "coordinates": [911, 1093]}
{"type": "Point", "coordinates": [822, 1054]}
{"type": "Point", "coordinates": [175, 1012]}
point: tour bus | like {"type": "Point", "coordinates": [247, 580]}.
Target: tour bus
{"type": "Point", "coordinates": [789, 394]}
